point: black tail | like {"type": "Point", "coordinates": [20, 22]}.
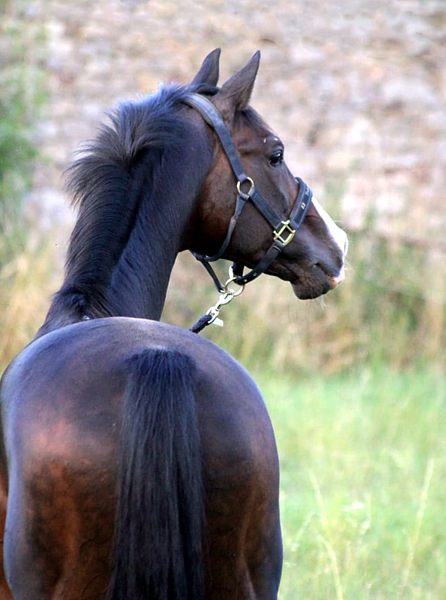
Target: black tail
{"type": "Point", "coordinates": [157, 546]}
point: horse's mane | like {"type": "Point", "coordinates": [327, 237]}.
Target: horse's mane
{"type": "Point", "coordinates": [114, 173]}
{"type": "Point", "coordinates": [102, 180]}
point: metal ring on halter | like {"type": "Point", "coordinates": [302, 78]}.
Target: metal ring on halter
{"type": "Point", "coordinates": [239, 190]}
{"type": "Point", "coordinates": [233, 280]}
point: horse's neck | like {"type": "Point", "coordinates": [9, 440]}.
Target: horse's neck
{"type": "Point", "coordinates": [137, 283]}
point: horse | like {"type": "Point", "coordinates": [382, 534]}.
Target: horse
{"type": "Point", "coordinates": [138, 459]}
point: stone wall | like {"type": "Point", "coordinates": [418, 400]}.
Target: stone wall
{"type": "Point", "coordinates": [357, 89]}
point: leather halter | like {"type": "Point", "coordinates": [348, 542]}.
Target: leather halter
{"type": "Point", "coordinates": [283, 229]}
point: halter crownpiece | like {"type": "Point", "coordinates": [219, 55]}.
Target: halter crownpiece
{"type": "Point", "coordinates": [283, 230]}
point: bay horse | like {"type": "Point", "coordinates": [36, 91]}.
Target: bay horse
{"type": "Point", "coordinates": [138, 459]}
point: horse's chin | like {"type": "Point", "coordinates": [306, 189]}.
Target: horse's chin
{"type": "Point", "coordinates": [311, 290]}
{"type": "Point", "coordinates": [317, 283]}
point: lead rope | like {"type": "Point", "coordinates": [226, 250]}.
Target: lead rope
{"type": "Point", "coordinates": [202, 322]}
{"type": "Point", "coordinates": [226, 295]}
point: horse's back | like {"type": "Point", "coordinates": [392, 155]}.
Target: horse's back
{"type": "Point", "coordinates": [62, 401]}
{"type": "Point", "coordinates": [70, 384]}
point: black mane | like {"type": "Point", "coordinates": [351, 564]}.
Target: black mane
{"type": "Point", "coordinates": [115, 174]}
{"type": "Point", "coordinates": [104, 180]}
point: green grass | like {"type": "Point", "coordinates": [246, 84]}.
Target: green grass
{"type": "Point", "coordinates": [363, 484]}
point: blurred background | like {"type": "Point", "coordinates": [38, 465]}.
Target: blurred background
{"type": "Point", "coordinates": [354, 382]}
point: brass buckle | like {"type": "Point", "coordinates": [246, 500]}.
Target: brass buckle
{"type": "Point", "coordinates": [278, 235]}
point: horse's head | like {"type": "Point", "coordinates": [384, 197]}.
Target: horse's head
{"type": "Point", "coordinates": [310, 258]}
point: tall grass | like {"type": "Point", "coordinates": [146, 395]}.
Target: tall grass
{"type": "Point", "coordinates": [390, 309]}
{"type": "Point", "coordinates": [363, 466]}
{"type": "Point", "coordinates": [26, 284]}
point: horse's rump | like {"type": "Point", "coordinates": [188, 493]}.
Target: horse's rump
{"type": "Point", "coordinates": [72, 454]}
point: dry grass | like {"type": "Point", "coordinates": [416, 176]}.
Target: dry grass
{"type": "Point", "coordinates": [382, 313]}
{"type": "Point", "coordinates": [26, 284]}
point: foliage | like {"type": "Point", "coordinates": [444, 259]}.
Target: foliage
{"type": "Point", "coordinates": [22, 93]}
{"type": "Point", "coordinates": [21, 96]}
{"type": "Point", "coordinates": [16, 154]}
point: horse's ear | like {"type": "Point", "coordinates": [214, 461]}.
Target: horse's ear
{"type": "Point", "coordinates": [209, 70]}
{"type": "Point", "coordinates": [236, 92]}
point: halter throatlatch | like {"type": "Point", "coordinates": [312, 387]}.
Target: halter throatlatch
{"type": "Point", "coordinates": [283, 230]}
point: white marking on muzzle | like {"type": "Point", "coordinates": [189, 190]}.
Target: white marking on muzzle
{"type": "Point", "coordinates": [338, 235]}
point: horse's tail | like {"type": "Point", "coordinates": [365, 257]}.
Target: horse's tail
{"type": "Point", "coordinates": [157, 546]}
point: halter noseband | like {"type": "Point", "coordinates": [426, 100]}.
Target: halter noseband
{"type": "Point", "coordinates": [283, 230]}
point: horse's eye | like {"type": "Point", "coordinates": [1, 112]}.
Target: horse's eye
{"type": "Point", "coordinates": [276, 158]}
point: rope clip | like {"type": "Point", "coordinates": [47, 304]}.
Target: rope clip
{"type": "Point", "coordinates": [227, 294]}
